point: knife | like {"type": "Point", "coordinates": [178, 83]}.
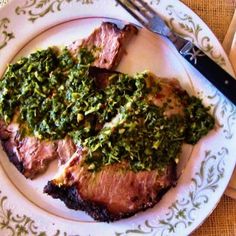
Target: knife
{"type": "Point", "coordinates": [222, 80]}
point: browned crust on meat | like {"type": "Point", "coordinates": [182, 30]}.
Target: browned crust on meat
{"type": "Point", "coordinates": [8, 136]}
{"type": "Point", "coordinates": [30, 155]}
{"type": "Point", "coordinates": [73, 199]}
{"type": "Point", "coordinates": [12, 155]}
{"type": "Point", "coordinates": [32, 164]}
{"type": "Point", "coordinates": [70, 196]}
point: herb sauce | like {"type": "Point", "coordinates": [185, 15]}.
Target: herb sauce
{"type": "Point", "coordinates": [55, 95]}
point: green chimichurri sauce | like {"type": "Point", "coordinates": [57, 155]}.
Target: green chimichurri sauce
{"type": "Point", "coordinates": [54, 95]}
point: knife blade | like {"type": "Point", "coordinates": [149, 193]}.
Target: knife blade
{"type": "Point", "coordinates": [220, 78]}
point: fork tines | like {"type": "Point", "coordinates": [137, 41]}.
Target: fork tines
{"type": "Point", "coordinates": [139, 9]}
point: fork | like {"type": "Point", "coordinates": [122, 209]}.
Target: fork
{"type": "Point", "coordinates": [150, 19]}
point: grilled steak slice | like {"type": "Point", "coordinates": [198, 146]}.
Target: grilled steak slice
{"type": "Point", "coordinates": [9, 136]}
{"type": "Point", "coordinates": [115, 191]}
{"type": "Point", "coordinates": [65, 149]}
{"type": "Point", "coordinates": [112, 193]}
{"type": "Point", "coordinates": [35, 155]}
{"type": "Point", "coordinates": [109, 42]}
{"type": "Point", "coordinates": [30, 155]}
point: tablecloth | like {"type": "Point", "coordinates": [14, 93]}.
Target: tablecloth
{"type": "Point", "coordinates": [217, 14]}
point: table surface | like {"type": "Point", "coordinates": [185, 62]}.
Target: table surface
{"type": "Point", "coordinates": [222, 222]}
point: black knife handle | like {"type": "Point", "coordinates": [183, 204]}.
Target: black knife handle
{"type": "Point", "coordinates": [223, 81]}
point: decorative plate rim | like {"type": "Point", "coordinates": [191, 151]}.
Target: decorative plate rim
{"type": "Point", "coordinates": [212, 168]}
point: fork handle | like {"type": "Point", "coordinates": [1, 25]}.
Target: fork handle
{"type": "Point", "coordinates": [223, 81]}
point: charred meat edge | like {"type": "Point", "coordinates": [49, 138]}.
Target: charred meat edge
{"type": "Point", "coordinates": [72, 199]}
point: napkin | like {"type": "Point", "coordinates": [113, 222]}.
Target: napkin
{"type": "Point", "coordinates": [232, 53]}
{"type": "Point", "coordinates": [227, 44]}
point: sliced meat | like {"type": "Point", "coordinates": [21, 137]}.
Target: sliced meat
{"type": "Point", "coordinates": [168, 94]}
{"type": "Point", "coordinates": [115, 191]}
{"type": "Point", "coordinates": [35, 155]}
{"type": "Point", "coordinates": [108, 43]}
{"type": "Point", "coordinates": [9, 136]}
{"type": "Point", "coordinates": [112, 193]}
{"type": "Point", "coordinates": [65, 149]}
{"type": "Point", "coordinates": [8, 131]}
{"type": "Point", "coordinates": [30, 155]}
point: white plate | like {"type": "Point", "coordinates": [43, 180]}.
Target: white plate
{"type": "Point", "coordinates": [29, 25]}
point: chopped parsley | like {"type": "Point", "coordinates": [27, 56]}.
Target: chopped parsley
{"type": "Point", "coordinates": [54, 94]}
